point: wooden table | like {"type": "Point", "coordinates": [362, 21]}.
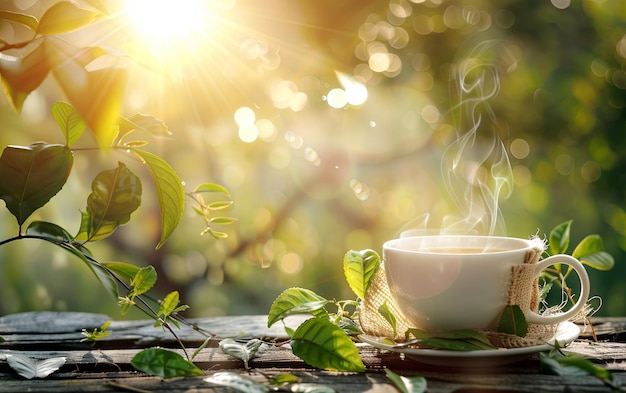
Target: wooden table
{"type": "Point", "coordinates": [106, 367]}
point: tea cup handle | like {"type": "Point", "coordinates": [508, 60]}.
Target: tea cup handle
{"type": "Point", "coordinates": [533, 317]}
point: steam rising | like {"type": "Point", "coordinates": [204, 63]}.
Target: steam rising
{"type": "Point", "coordinates": [475, 167]}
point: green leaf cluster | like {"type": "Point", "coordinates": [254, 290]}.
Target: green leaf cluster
{"type": "Point", "coordinates": [318, 341]}
{"type": "Point", "coordinates": [206, 209]}
{"type": "Point", "coordinates": [97, 333]}
{"type": "Point", "coordinates": [169, 307]}
{"type": "Point", "coordinates": [324, 341]}
{"type": "Point", "coordinates": [589, 251]}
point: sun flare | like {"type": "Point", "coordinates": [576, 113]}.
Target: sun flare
{"type": "Point", "coordinates": [167, 29]}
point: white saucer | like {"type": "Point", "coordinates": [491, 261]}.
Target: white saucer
{"type": "Point", "coordinates": [566, 332]}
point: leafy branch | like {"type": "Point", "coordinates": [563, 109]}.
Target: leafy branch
{"type": "Point", "coordinates": [30, 176]}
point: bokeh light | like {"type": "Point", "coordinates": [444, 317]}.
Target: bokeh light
{"type": "Point", "coordinates": [327, 121]}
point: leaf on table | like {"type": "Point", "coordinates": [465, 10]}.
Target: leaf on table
{"type": "Point", "coordinates": [164, 363]}
{"type": "Point", "coordinates": [296, 301]}
{"type": "Point", "coordinates": [31, 175]}
{"type": "Point", "coordinates": [243, 351]}
{"type": "Point", "coordinates": [359, 268]}
{"type": "Point", "coordinates": [322, 344]}
{"type": "Point", "coordinates": [407, 384]}
{"type": "Point", "coordinates": [283, 378]}
{"type": "Point", "coordinates": [237, 382]}
{"type": "Point", "coordinates": [30, 368]}
{"type": "Point", "coordinates": [557, 363]}
{"type": "Point", "coordinates": [170, 192]}
{"type": "Point", "coordinates": [513, 321]}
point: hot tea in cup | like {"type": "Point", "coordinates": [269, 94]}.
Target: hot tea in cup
{"type": "Point", "coordinates": [446, 283]}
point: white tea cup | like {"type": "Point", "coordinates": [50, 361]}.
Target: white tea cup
{"type": "Point", "coordinates": [449, 282]}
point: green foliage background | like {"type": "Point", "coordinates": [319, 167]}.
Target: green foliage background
{"type": "Point", "coordinates": [326, 180]}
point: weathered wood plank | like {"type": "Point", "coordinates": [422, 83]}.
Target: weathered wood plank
{"type": "Point", "coordinates": [106, 367]}
{"type": "Point", "coordinates": [373, 381]}
{"type": "Point", "coordinates": [61, 330]}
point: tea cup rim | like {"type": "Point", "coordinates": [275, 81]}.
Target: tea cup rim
{"type": "Point", "coordinates": [517, 244]}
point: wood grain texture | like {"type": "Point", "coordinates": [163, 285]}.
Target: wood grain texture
{"type": "Point", "coordinates": [106, 367]}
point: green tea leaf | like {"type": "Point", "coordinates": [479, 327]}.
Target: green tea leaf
{"type": "Point", "coordinates": [219, 205]}
{"type": "Point", "coordinates": [63, 17]}
{"type": "Point", "coordinates": [69, 121]}
{"type": "Point", "coordinates": [350, 326]}
{"type": "Point", "coordinates": [407, 385]}
{"type": "Point", "coordinates": [211, 187]}
{"type": "Point", "coordinates": [321, 344]}
{"type": "Point", "coordinates": [31, 175]}
{"type": "Point", "coordinates": [170, 193]}
{"type": "Point", "coordinates": [559, 238]}
{"type": "Point", "coordinates": [149, 123]}
{"type": "Point", "coordinates": [169, 304]}
{"type": "Point", "coordinates": [458, 340]}
{"type": "Point", "coordinates": [237, 382]}
{"type": "Point", "coordinates": [144, 280]}
{"type": "Point", "coordinates": [98, 96]}
{"type": "Point", "coordinates": [164, 363]}
{"type": "Point", "coordinates": [222, 220]}
{"type": "Point", "coordinates": [590, 251]}
{"type": "Point", "coordinates": [359, 268]}
{"type": "Point", "coordinates": [388, 315]}
{"type": "Point", "coordinates": [115, 195]}
{"type": "Point", "coordinates": [122, 269]}
{"type": "Point", "coordinates": [20, 76]}
{"type": "Point", "coordinates": [27, 20]}
{"type": "Point", "coordinates": [555, 362]}
{"type": "Point", "coordinates": [601, 260]}
{"type": "Point", "coordinates": [48, 229]}
{"type": "Point", "coordinates": [513, 321]}
{"type": "Point", "coordinates": [296, 301]}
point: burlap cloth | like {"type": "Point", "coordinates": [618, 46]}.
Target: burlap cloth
{"type": "Point", "coordinates": [523, 291]}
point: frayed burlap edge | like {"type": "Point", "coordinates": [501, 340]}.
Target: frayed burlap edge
{"type": "Point", "coordinates": [522, 277]}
